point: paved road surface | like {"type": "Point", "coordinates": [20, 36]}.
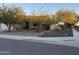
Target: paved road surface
{"type": "Point", "coordinates": [20, 47]}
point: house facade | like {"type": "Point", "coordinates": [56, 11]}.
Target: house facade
{"type": "Point", "coordinates": [39, 23]}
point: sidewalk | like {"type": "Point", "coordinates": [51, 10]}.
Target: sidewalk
{"type": "Point", "coordinates": [68, 41]}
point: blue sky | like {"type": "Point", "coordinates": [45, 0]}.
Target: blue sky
{"type": "Point", "coordinates": [28, 7]}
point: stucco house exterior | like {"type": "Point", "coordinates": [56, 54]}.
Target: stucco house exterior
{"type": "Point", "coordinates": [3, 27]}
{"type": "Point", "coordinates": [54, 27]}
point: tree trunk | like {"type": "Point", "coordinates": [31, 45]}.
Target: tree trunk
{"type": "Point", "coordinates": [9, 28]}
{"type": "Point", "coordinates": [41, 28]}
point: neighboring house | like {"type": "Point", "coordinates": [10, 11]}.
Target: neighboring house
{"type": "Point", "coordinates": [77, 24]}
{"type": "Point", "coordinates": [54, 27]}
{"type": "Point", "coordinates": [3, 27]}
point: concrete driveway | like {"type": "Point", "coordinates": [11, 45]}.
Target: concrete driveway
{"type": "Point", "coordinates": [67, 41]}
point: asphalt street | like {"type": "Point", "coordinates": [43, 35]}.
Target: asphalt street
{"type": "Point", "coordinates": [20, 47]}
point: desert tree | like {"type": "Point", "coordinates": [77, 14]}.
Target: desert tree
{"type": "Point", "coordinates": [11, 15]}
{"type": "Point", "coordinates": [68, 17]}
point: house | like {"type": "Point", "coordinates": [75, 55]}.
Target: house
{"type": "Point", "coordinates": [39, 23]}
{"type": "Point", "coordinates": [55, 27]}
{"type": "Point", "coordinates": [3, 27]}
